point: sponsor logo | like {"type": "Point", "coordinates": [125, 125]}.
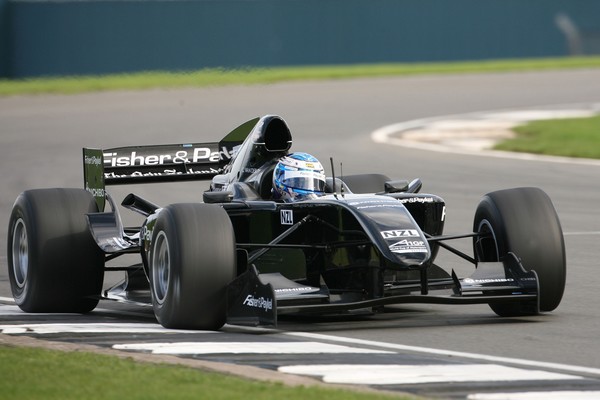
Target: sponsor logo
{"type": "Point", "coordinates": [409, 246]}
{"type": "Point", "coordinates": [287, 217]}
{"type": "Point", "coordinates": [488, 280]}
{"type": "Point", "coordinates": [378, 202]}
{"type": "Point", "coordinates": [96, 192]}
{"type": "Point", "coordinates": [93, 160]}
{"type": "Point", "coordinates": [145, 234]}
{"type": "Point", "coordinates": [188, 171]}
{"type": "Point", "coordinates": [197, 155]}
{"type": "Point", "coordinates": [297, 290]}
{"type": "Point", "coordinates": [261, 302]}
{"type": "Point", "coordinates": [417, 200]}
{"type": "Point", "coordinates": [367, 204]}
{"type": "Point", "coordinates": [380, 206]}
{"type": "Point", "coordinates": [400, 233]}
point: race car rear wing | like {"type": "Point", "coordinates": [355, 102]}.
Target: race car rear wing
{"type": "Point", "coordinates": [159, 163]}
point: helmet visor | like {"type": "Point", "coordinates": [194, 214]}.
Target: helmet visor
{"type": "Point", "coordinates": [304, 180]}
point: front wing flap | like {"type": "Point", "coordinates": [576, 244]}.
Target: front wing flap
{"type": "Point", "coordinates": [250, 301]}
{"type": "Point", "coordinates": [507, 277]}
{"type": "Point", "coordinates": [254, 299]}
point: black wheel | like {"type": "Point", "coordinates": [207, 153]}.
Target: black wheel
{"type": "Point", "coordinates": [366, 183]}
{"type": "Point", "coordinates": [192, 259]}
{"type": "Point", "coordinates": [523, 221]}
{"type": "Point", "coordinates": [54, 265]}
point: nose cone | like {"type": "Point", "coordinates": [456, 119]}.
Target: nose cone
{"type": "Point", "coordinates": [393, 229]}
{"type": "Point", "coordinates": [413, 251]}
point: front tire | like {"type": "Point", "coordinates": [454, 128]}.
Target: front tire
{"type": "Point", "coordinates": [192, 259]}
{"type": "Point", "coordinates": [54, 265]}
{"type": "Point", "coordinates": [523, 221]}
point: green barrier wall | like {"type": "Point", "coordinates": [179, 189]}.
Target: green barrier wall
{"type": "Point", "coordinates": [4, 38]}
{"type": "Point", "coordinates": [42, 37]}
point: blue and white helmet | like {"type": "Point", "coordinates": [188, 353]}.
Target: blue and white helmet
{"type": "Point", "coordinates": [298, 176]}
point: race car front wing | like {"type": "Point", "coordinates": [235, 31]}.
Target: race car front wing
{"type": "Point", "coordinates": [257, 299]}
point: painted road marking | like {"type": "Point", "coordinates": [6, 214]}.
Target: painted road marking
{"type": "Point", "coordinates": [45, 329]}
{"type": "Point", "coordinates": [581, 233]}
{"type": "Point", "coordinates": [448, 353]}
{"type": "Point", "coordinates": [246, 348]}
{"type": "Point", "coordinates": [419, 374]}
{"type": "Point", "coordinates": [11, 311]}
{"type": "Point", "coordinates": [558, 395]}
{"type": "Point", "coordinates": [392, 134]}
{"type": "Point", "coordinates": [154, 328]}
{"type": "Point", "coordinates": [349, 374]}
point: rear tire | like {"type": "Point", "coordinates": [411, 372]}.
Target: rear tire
{"type": "Point", "coordinates": [54, 265]}
{"type": "Point", "coordinates": [523, 221]}
{"type": "Point", "coordinates": [192, 259]}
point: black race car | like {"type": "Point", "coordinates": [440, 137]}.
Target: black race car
{"type": "Point", "coordinates": [241, 257]}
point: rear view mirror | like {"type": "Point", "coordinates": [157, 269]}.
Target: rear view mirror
{"type": "Point", "coordinates": [396, 186]}
{"type": "Point", "coordinates": [220, 196]}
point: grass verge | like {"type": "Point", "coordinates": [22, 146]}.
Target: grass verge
{"type": "Point", "coordinates": [33, 373]}
{"type": "Point", "coordinates": [573, 137]}
{"type": "Point", "coordinates": [220, 77]}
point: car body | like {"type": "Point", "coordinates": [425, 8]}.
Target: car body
{"type": "Point", "coordinates": [241, 257]}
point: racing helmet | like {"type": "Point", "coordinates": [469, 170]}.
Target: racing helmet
{"type": "Point", "coordinates": [298, 176]}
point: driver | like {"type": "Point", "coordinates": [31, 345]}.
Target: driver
{"type": "Point", "coordinates": [298, 176]}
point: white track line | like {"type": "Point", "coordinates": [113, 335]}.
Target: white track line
{"type": "Point", "coordinates": [581, 233]}
{"type": "Point", "coordinates": [554, 395]}
{"type": "Point", "coordinates": [449, 353]}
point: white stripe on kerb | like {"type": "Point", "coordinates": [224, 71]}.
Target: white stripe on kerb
{"type": "Point", "coordinates": [246, 348]}
{"type": "Point", "coordinates": [419, 374]}
{"type": "Point", "coordinates": [45, 329]}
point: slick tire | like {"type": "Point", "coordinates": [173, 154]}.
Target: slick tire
{"type": "Point", "coordinates": [523, 221]}
{"type": "Point", "coordinates": [192, 259]}
{"type": "Point", "coordinates": [366, 183]}
{"type": "Point", "coordinates": [54, 265]}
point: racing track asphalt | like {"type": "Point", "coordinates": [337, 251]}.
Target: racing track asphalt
{"type": "Point", "coordinates": [41, 139]}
